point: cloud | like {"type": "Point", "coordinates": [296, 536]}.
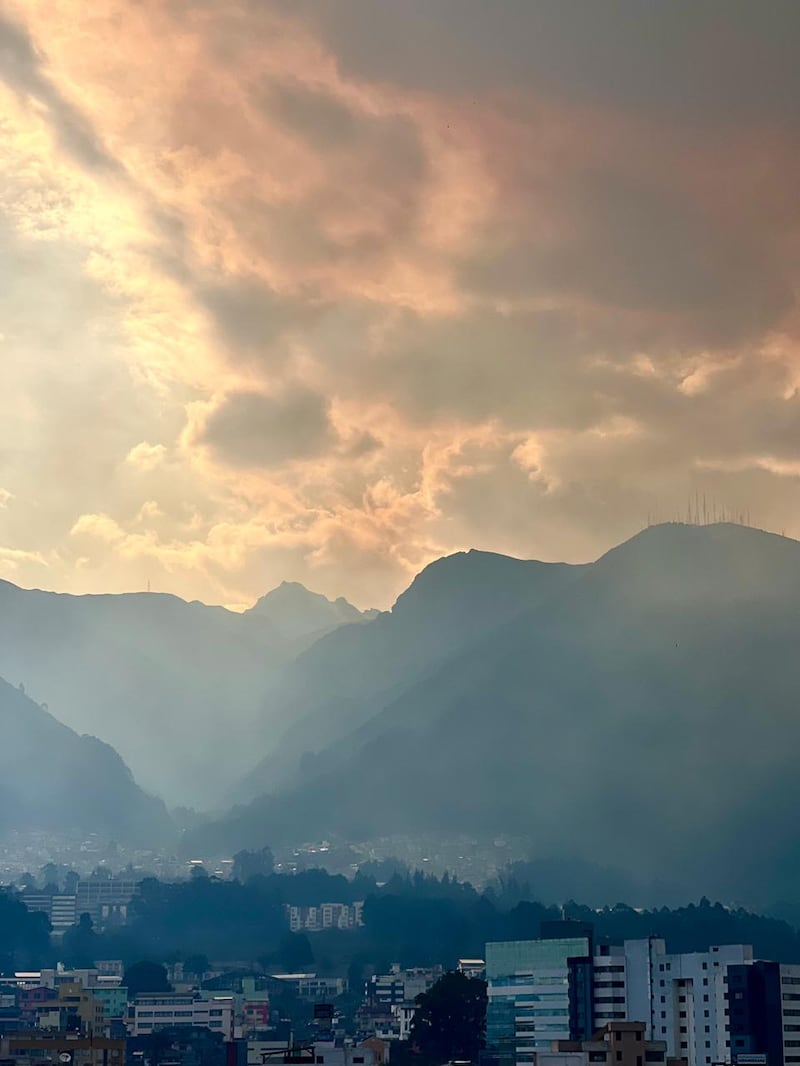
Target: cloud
{"type": "Point", "coordinates": [318, 291]}
{"type": "Point", "coordinates": [146, 456]}
{"type": "Point", "coordinates": [257, 429]}
{"type": "Point", "coordinates": [100, 526]}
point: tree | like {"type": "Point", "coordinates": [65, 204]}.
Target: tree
{"type": "Point", "coordinates": [450, 1020]}
{"type": "Point", "coordinates": [146, 977]}
{"type": "Point", "coordinates": [50, 878]}
{"type": "Point", "coordinates": [249, 864]}
{"type": "Point", "coordinates": [295, 952]}
{"type": "Point", "coordinates": [79, 944]}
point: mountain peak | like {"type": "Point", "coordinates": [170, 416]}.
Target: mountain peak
{"type": "Point", "coordinates": [298, 612]}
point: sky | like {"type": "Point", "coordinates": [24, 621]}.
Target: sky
{"type": "Point", "coordinates": [321, 290]}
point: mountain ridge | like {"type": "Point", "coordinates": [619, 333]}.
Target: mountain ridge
{"type": "Point", "coordinates": [668, 663]}
{"type": "Point", "coordinates": [129, 666]}
{"type": "Point", "coordinates": [56, 779]}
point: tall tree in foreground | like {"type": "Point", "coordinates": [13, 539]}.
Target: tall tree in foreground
{"type": "Point", "coordinates": [450, 1020]}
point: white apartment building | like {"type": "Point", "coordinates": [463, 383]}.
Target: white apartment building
{"type": "Point", "coordinates": [150, 1012]}
{"type": "Point", "coordinates": [540, 991]}
{"type": "Point", "coordinates": [682, 999]}
{"type": "Point", "coordinates": [690, 1003]}
{"type": "Point", "coordinates": [325, 916]}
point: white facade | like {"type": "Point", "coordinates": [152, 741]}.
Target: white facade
{"type": "Point", "coordinates": [325, 916]}
{"type": "Point", "coordinates": [623, 983]}
{"type": "Point", "coordinates": [329, 1054]}
{"type": "Point", "coordinates": [790, 1012]}
{"type": "Point", "coordinates": [690, 1005]}
{"type": "Point", "coordinates": [398, 1025]}
{"type": "Point", "coordinates": [152, 1012]}
{"type": "Point", "coordinates": [681, 998]}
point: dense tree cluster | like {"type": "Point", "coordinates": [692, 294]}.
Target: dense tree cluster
{"type": "Point", "coordinates": [413, 920]}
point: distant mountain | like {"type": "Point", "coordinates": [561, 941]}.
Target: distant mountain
{"type": "Point", "coordinates": [640, 712]}
{"type": "Point", "coordinates": [295, 612]}
{"type": "Point", "coordinates": [348, 676]}
{"type": "Point", "coordinates": [53, 779]}
{"type": "Point", "coordinates": [177, 688]}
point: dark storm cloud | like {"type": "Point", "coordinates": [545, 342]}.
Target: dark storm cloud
{"type": "Point", "coordinates": [637, 244]}
{"type": "Point", "coordinates": [252, 429]}
{"type": "Point", "coordinates": [719, 60]}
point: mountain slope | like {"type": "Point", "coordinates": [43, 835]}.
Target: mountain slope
{"type": "Point", "coordinates": [51, 778]}
{"type": "Point", "coordinates": [177, 688]}
{"type": "Point", "coordinates": [642, 713]}
{"type": "Point", "coordinates": [348, 676]}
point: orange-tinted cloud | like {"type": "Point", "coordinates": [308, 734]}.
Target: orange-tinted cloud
{"type": "Point", "coordinates": [319, 291]}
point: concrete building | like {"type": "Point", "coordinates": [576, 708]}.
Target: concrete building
{"type": "Point", "coordinates": [311, 987]}
{"type": "Point", "coordinates": [615, 1044]}
{"type": "Point", "coordinates": [325, 916]}
{"type": "Point", "coordinates": [60, 909]}
{"type": "Point", "coordinates": [623, 981]}
{"type": "Point", "coordinates": [401, 986]}
{"type": "Point", "coordinates": [150, 1012]}
{"type": "Point", "coordinates": [552, 989]}
{"type": "Point", "coordinates": [105, 899]}
{"type": "Point", "coordinates": [60, 1049]}
{"type": "Point", "coordinates": [69, 1006]}
{"type": "Point", "coordinates": [690, 1003]}
{"type": "Point", "coordinates": [112, 995]}
{"type": "Point", "coordinates": [682, 999]}
{"type": "Point", "coordinates": [329, 1053]}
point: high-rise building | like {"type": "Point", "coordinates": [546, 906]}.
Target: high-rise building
{"type": "Point", "coordinates": [764, 1005]}
{"type": "Point", "coordinates": [538, 991]}
{"type": "Point", "coordinates": [560, 989]}
{"type": "Point", "coordinates": [690, 1003]}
